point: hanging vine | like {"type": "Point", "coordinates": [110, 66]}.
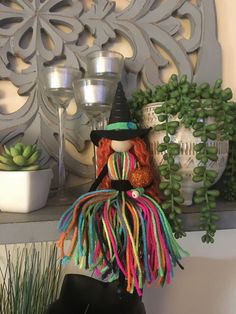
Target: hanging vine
{"type": "Point", "coordinates": [210, 114]}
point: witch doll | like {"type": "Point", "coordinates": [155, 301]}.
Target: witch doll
{"type": "Point", "coordinates": [119, 230]}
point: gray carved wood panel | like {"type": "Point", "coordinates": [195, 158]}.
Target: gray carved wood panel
{"type": "Point", "coordinates": [33, 31]}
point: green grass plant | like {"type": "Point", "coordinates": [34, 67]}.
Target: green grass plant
{"type": "Point", "coordinates": [29, 280]}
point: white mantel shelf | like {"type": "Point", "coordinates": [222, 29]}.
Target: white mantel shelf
{"type": "Point", "coordinates": [41, 225]}
{"type": "Point", "coordinates": [37, 226]}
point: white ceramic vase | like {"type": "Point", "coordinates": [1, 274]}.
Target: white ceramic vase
{"type": "Point", "coordinates": [186, 159]}
{"type": "Point", "coordinates": [24, 191]}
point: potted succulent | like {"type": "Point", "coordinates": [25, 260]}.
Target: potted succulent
{"type": "Point", "coordinates": [24, 185]}
{"type": "Point", "coordinates": [192, 125]}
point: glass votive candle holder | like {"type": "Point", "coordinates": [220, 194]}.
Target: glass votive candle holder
{"type": "Point", "coordinates": [94, 96]}
{"type": "Point", "coordinates": [105, 63]}
{"type": "Point", "coordinates": [57, 82]}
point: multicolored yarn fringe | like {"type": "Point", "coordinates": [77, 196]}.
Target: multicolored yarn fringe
{"type": "Point", "coordinates": [115, 233]}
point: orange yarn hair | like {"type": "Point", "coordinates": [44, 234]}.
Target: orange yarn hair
{"type": "Point", "coordinates": [139, 150]}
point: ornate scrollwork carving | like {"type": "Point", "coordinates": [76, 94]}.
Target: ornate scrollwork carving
{"type": "Point", "coordinates": [41, 32]}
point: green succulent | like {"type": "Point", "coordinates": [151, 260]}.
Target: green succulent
{"type": "Point", "coordinates": [20, 157]}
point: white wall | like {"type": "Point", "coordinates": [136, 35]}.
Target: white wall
{"type": "Point", "coordinates": [208, 283]}
{"type": "Point", "coordinates": [226, 11]}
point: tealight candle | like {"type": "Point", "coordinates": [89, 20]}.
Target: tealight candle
{"type": "Point", "coordinates": [105, 63]}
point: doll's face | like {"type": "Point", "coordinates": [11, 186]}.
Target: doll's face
{"type": "Point", "coordinates": [121, 146]}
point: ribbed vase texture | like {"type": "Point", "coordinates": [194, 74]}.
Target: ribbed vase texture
{"type": "Point", "coordinates": [187, 157]}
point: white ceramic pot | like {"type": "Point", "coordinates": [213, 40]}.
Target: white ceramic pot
{"type": "Point", "coordinates": [24, 191]}
{"type": "Point", "coordinates": [186, 159]}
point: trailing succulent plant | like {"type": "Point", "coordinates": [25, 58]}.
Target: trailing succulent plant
{"type": "Point", "coordinates": [20, 158]}
{"type": "Point", "coordinates": [210, 114]}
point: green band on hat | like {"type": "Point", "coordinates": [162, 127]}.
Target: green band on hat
{"type": "Point", "coordinates": [121, 126]}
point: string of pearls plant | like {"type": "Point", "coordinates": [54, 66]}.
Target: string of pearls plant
{"type": "Point", "coordinates": [210, 115]}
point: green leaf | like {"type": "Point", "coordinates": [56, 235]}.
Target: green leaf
{"type": "Point", "coordinates": [175, 192]}
{"type": "Point", "coordinates": [211, 150]}
{"type": "Point", "coordinates": [213, 227]}
{"type": "Point", "coordinates": [200, 192]}
{"type": "Point", "coordinates": [174, 124]}
{"type": "Point", "coordinates": [179, 199]}
{"type": "Point", "coordinates": [179, 220]}
{"type": "Point", "coordinates": [172, 130]}
{"type": "Point", "coordinates": [227, 94]}
{"type": "Point", "coordinates": [14, 152]}
{"type": "Point", "coordinates": [163, 185]}
{"type": "Point", "coordinates": [201, 114]}
{"type": "Point", "coordinates": [166, 205]}
{"type": "Point", "coordinates": [172, 215]}
{"type": "Point", "coordinates": [198, 125]}
{"type": "Point", "coordinates": [162, 117]}
{"type": "Point", "coordinates": [19, 160]}
{"type": "Point", "coordinates": [172, 101]}
{"type": "Point", "coordinates": [203, 238]}
{"type": "Point", "coordinates": [174, 94]}
{"type": "Point", "coordinates": [170, 160]}
{"type": "Point", "coordinates": [163, 173]}
{"type": "Point", "coordinates": [211, 127]}
{"type": "Point", "coordinates": [212, 136]}
{"type": "Point", "coordinates": [212, 157]}
{"type": "Point", "coordinates": [204, 159]}
{"type": "Point", "coordinates": [199, 156]}
{"type": "Point", "coordinates": [198, 133]}
{"type": "Point", "coordinates": [166, 139]}
{"type": "Point", "coordinates": [204, 86]}
{"type": "Point", "coordinates": [211, 174]}
{"type": "Point", "coordinates": [199, 170]}
{"type": "Point", "coordinates": [159, 110]}
{"type": "Point", "coordinates": [165, 156]}
{"type": "Point", "coordinates": [174, 77]}
{"type": "Point", "coordinates": [197, 178]}
{"type": "Point", "coordinates": [218, 83]}
{"type": "Point", "coordinates": [178, 210]}
{"type": "Point", "coordinates": [198, 199]}
{"type": "Point", "coordinates": [163, 167]}
{"type": "Point", "coordinates": [177, 177]}
{"type": "Point", "coordinates": [160, 127]}
{"type": "Point", "coordinates": [207, 184]}
{"type": "Point", "coordinates": [208, 103]}
{"type": "Point", "coordinates": [175, 152]}
{"type": "Point", "coordinates": [175, 167]}
{"type": "Point", "coordinates": [183, 79]}
{"type": "Point", "coordinates": [212, 204]}
{"type": "Point", "coordinates": [161, 148]}
{"type": "Point", "coordinates": [203, 138]}
{"type": "Point", "coordinates": [176, 186]}
{"type": "Point", "coordinates": [198, 147]}
{"type": "Point", "coordinates": [167, 192]}
{"type": "Point", "coordinates": [174, 145]}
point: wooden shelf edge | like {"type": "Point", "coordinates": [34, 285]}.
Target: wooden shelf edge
{"type": "Point", "coordinates": [41, 226]}
{"type": "Point", "coordinates": [28, 232]}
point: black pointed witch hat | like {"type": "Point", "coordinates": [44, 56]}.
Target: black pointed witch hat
{"type": "Point", "coordinates": [120, 127]}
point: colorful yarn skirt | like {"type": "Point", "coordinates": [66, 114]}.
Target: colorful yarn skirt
{"type": "Point", "coordinates": [114, 233]}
